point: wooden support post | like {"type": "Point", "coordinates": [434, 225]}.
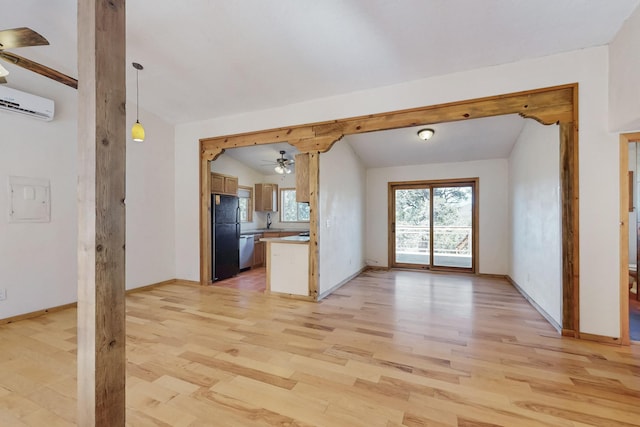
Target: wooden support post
{"type": "Point", "coordinates": [314, 224]}
{"type": "Point", "coordinates": [570, 229]}
{"type": "Point", "coordinates": [206, 268]}
{"type": "Point", "coordinates": [101, 213]}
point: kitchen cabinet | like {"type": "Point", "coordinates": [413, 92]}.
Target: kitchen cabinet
{"type": "Point", "coordinates": [266, 197]}
{"type": "Point", "coordinates": [302, 178]}
{"type": "Point", "coordinates": [224, 184]}
{"type": "Point", "coordinates": [288, 266]}
{"type": "Point", "coordinates": [258, 251]}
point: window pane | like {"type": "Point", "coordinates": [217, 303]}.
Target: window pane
{"type": "Point", "coordinates": [244, 209]}
{"type": "Point", "coordinates": [452, 220]}
{"type": "Point", "coordinates": [292, 211]}
{"type": "Point", "coordinates": [288, 206]}
{"type": "Point", "coordinates": [303, 212]}
{"type": "Point", "coordinates": [412, 226]}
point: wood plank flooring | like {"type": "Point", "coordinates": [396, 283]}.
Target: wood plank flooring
{"type": "Point", "coordinates": [254, 279]}
{"type": "Point", "coordinates": [388, 349]}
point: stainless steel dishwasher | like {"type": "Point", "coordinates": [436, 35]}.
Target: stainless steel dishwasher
{"type": "Point", "coordinates": [246, 251]}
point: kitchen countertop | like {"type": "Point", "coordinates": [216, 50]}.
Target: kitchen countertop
{"type": "Point", "coordinates": [288, 239]}
{"type": "Point", "coordinates": [272, 230]}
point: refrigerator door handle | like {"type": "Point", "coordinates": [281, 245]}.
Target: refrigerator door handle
{"type": "Point", "coordinates": [238, 214]}
{"type": "Point", "coordinates": [238, 230]}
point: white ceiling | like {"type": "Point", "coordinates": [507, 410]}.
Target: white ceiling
{"type": "Point", "coordinates": [213, 58]}
{"type": "Point", "coordinates": [262, 158]}
{"type": "Point", "coordinates": [477, 139]}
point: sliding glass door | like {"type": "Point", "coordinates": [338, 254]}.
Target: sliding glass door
{"type": "Point", "coordinates": [432, 224]}
{"type": "Point", "coordinates": [453, 226]}
{"type": "Point", "coordinates": [412, 225]}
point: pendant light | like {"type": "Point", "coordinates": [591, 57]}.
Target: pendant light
{"type": "Point", "coordinates": [137, 131]}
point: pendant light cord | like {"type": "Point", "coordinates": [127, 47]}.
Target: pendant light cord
{"type": "Point", "coordinates": [137, 95]}
{"type": "Point", "coordinates": [138, 67]}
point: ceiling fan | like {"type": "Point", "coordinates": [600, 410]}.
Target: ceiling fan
{"type": "Point", "coordinates": [283, 165]}
{"type": "Point", "coordinates": [24, 37]}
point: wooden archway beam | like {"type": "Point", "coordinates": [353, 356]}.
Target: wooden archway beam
{"type": "Point", "coordinates": [547, 106]}
{"type": "Point", "coordinates": [552, 105]}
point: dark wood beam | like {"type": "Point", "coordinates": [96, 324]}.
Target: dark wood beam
{"type": "Point", "coordinates": [101, 213]}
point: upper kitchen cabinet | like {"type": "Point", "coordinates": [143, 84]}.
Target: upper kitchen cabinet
{"type": "Point", "coordinates": [224, 184]}
{"type": "Point", "coordinates": [302, 178]}
{"type": "Point", "coordinates": [266, 197]}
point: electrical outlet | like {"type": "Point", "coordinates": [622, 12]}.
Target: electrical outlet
{"type": "Point", "coordinates": [3, 294]}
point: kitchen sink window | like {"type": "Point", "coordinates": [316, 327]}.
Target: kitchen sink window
{"type": "Point", "coordinates": [292, 211]}
{"type": "Point", "coordinates": [245, 195]}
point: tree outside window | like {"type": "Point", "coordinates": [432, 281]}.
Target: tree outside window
{"type": "Point", "coordinates": [290, 209]}
{"type": "Point", "coordinates": [245, 198]}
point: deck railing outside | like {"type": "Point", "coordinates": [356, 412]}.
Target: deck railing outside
{"type": "Point", "coordinates": [452, 245]}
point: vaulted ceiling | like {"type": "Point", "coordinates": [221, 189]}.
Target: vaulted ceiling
{"type": "Point", "coordinates": [211, 58]}
{"type": "Point", "coordinates": [215, 58]}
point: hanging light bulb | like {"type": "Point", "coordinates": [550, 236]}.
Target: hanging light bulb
{"type": "Point", "coordinates": [137, 131]}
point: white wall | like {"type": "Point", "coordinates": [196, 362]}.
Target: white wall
{"type": "Point", "coordinates": [624, 78]}
{"type": "Point", "coordinates": [342, 216]}
{"type": "Point", "coordinates": [598, 154]}
{"type": "Point", "coordinates": [535, 223]}
{"type": "Point", "coordinates": [38, 261]}
{"type": "Point", "coordinates": [492, 203]}
{"type": "Point", "coordinates": [150, 217]}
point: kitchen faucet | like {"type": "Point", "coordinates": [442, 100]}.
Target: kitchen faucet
{"type": "Point", "coordinates": [268, 221]}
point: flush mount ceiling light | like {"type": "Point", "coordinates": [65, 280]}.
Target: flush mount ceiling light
{"type": "Point", "coordinates": [3, 72]}
{"type": "Point", "coordinates": [137, 131]}
{"type": "Point", "coordinates": [425, 134]}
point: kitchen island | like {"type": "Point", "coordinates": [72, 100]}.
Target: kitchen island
{"type": "Point", "coordinates": [288, 265]}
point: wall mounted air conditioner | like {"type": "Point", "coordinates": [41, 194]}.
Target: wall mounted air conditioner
{"type": "Point", "coordinates": [25, 103]}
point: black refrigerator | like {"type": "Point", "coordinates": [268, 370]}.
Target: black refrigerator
{"type": "Point", "coordinates": [225, 242]}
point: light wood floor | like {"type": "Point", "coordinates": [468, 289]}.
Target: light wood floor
{"type": "Point", "coordinates": [254, 279]}
{"type": "Point", "coordinates": [387, 349]}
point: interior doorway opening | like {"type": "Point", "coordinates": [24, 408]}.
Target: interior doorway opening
{"type": "Point", "coordinates": [634, 239]}
{"type": "Point", "coordinates": [552, 105]}
{"type": "Point", "coordinates": [629, 232]}
{"type": "Point", "coordinates": [630, 236]}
